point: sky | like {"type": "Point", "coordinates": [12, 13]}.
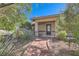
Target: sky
{"type": "Point", "coordinates": [45, 9]}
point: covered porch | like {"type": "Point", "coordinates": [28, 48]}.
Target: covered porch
{"type": "Point", "coordinates": [44, 27]}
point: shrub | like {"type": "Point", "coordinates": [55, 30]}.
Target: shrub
{"type": "Point", "coordinates": [76, 35]}
{"type": "Point", "coordinates": [27, 35]}
{"type": "Point", "coordinates": [24, 34]}
{"type": "Point", "coordinates": [62, 35]}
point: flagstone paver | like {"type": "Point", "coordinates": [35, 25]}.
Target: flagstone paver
{"type": "Point", "coordinates": [40, 47]}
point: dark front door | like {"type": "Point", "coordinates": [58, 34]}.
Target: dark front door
{"type": "Point", "coordinates": [48, 29]}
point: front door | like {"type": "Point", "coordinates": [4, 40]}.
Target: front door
{"type": "Point", "coordinates": [48, 29]}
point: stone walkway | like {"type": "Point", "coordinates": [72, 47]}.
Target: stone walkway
{"type": "Point", "coordinates": [41, 47]}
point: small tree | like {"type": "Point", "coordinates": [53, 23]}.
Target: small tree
{"type": "Point", "coordinates": [13, 14]}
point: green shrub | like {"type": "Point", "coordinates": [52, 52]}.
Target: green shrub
{"type": "Point", "coordinates": [62, 35]}
{"type": "Point", "coordinates": [75, 36]}
{"type": "Point", "coordinates": [27, 35]}
{"type": "Point", "coordinates": [24, 34]}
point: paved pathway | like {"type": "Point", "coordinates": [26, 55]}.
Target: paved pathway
{"type": "Point", "coordinates": [41, 47]}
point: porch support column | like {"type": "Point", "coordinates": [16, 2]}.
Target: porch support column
{"type": "Point", "coordinates": [36, 29]}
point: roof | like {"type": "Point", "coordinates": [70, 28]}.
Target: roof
{"type": "Point", "coordinates": [49, 16]}
{"type": "Point", "coordinates": [43, 17]}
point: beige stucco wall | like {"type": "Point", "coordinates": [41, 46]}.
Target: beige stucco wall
{"type": "Point", "coordinates": [42, 28]}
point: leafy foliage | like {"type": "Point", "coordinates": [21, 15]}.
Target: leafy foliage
{"type": "Point", "coordinates": [23, 34]}
{"type": "Point", "coordinates": [10, 16]}
{"type": "Point", "coordinates": [69, 20]}
{"type": "Point", "coordinates": [62, 35]}
{"type": "Point", "coordinates": [72, 19]}
{"type": "Point", "coordinates": [26, 25]}
{"type": "Point", "coordinates": [13, 14]}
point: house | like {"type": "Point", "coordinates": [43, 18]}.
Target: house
{"type": "Point", "coordinates": [44, 26]}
